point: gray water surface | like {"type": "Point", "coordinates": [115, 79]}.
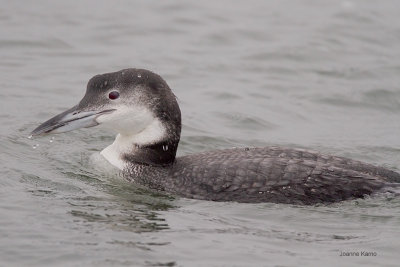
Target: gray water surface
{"type": "Point", "coordinates": [312, 74]}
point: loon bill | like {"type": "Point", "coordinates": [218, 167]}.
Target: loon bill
{"type": "Point", "coordinates": [141, 108]}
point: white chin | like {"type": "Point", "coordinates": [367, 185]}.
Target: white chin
{"type": "Point", "coordinates": [127, 120]}
{"type": "Point", "coordinates": [125, 144]}
{"type": "Point", "coordinates": [134, 127]}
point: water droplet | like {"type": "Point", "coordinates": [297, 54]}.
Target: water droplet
{"type": "Point", "coordinates": [165, 148]}
{"type": "Point", "coordinates": [139, 75]}
{"type": "Point", "coordinates": [51, 140]}
{"type": "Point", "coordinates": [35, 146]}
{"type": "Point", "coordinates": [30, 137]}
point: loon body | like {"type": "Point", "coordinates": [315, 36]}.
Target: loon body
{"type": "Point", "coordinates": [141, 107]}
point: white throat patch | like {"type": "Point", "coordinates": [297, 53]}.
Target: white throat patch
{"type": "Point", "coordinates": [125, 143]}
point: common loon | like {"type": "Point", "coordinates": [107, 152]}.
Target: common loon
{"type": "Point", "coordinates": [141, 107]}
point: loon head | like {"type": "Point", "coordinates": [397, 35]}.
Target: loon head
{"type": "Point", "coordinates": [138, 105]}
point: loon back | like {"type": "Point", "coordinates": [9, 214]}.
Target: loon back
{"type": "Point", "coordinates": [141, 107]}
{"type": "Point", "coordinates": [269, 174]}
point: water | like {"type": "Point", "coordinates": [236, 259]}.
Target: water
{"type": "Point", "coordinates": [316, 74]}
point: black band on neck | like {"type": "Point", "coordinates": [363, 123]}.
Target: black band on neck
{"type": "Point", "coordinates": [159, 154]}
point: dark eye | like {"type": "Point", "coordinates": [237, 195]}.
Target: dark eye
{"type": "Point", "coordinates": [113, 95]}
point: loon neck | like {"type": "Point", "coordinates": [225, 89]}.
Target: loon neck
{"type": "Point", "coordinates": [158, 154]}
{"type": "Point", "coordinates": [151, 147]}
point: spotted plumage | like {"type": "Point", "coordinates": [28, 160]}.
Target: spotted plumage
{"type": "Point", "coordinates": [270, 174]}
{"type": "Point", "coordinates": [141, 107]}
